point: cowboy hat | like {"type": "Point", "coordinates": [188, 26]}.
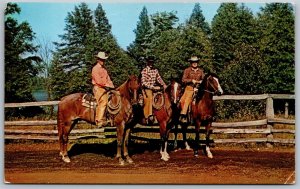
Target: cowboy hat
{"type": "Point", "coordinates": [102, 55]}
{"type": "Point", "coordinates": [150, 58]}
{"type": "Point", "coordinates": [194, 59]}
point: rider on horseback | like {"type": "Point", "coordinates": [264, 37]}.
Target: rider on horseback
{"type": "Point", "coordinates": [102, 83]}
{"type": "Point", "coordinates": [150, 77]}
{"type": "Point", "coordinates": [192, 76]}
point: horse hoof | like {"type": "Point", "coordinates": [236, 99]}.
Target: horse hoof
{"type": "Point", "coordinates": [66, 159]}
{"type": "Point", "coordinates": [188, 148]}
{"type": "Point", "coordinates": [121, 162]}
{"type": "Point", "coordinates": [210, 156]}
{"type": "Point", "coordinates": [165, 158]}
{"type": "Point", "coordinates": [129, 160]}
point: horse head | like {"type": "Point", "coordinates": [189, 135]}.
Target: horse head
{"type": "Point", "coordinates": [133, 86]}
{"type": "Point", "coordinates": [210, 84]}
{"type": "Point", "coordinates": [175, 91]}
{"type": "Point", "coordinates": [213, 84]}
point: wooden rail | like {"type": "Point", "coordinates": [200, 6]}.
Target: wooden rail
{"type": "Point", "coordinates": [218, 127]}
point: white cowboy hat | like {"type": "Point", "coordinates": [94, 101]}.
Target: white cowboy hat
{"type": "Point", "coordinates": [194, 59]}
{"type": "Point", "coordinates": [102, 55]}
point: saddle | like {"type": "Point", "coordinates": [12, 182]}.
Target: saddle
{"type": "Point", "coordinates": [113, 105]}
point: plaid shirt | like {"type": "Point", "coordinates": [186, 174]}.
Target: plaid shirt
{"type": "Point", "coordinates": [150, 77]}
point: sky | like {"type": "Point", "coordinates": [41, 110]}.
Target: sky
{"type": "Point", "coordinates": [48, 19]}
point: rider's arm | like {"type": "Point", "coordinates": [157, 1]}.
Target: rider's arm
{"type": "Point", "coordinates": [160, 80]}
{"type": "Point", "coordinates": [185, 78]}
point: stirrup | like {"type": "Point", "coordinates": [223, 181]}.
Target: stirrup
{"type": "Point", "coordinates": [183, 118]}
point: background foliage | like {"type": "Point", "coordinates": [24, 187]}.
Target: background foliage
{"type": "Point", "coordinates": [252, 54]}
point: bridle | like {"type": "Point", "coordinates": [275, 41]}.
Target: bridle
{"type": "Point", "coordinates": [131, 92]}
{"type": "Point", "coordinates": [211, 92]}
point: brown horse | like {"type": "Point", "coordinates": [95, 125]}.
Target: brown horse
{"type": "Point", "coordinates": [70, 111]}
{"type": "Point", "coordinates": [202, 112]}
{"type": "Point", "coordinates": [163, 116]}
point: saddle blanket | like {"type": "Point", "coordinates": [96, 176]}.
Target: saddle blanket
{"type": "Point", "coordinates": [89, 101]}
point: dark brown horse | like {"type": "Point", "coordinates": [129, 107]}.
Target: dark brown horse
{"type": "Point", "coordinates": [70, 111]}
{"type": "Point", "coordinates": [163, 116]}
{"type": "Point", "coordinates": [202, 111]}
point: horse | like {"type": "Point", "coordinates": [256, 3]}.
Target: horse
{"type": "Point", "coordinates": [163, 114]}
{"type": "Point", "coordinates": [202, 112]}
{"type": "Point", "coordinates": [71, 110]}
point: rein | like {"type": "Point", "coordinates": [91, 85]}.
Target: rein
{"type": "Point", "coordinates": [211, 92]}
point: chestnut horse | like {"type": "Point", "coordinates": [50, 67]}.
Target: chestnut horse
{"type": "Point", "coordinates": [202, 112]}
{"type": "Point", "coordinates": [70, 111]}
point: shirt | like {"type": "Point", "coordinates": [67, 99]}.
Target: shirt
{"type": "Point", "coordinates": [191, 73]}
{"type": "Point", "coordinates": [100, 77]}
{"type": "Point", "coordinates": [150, 77]}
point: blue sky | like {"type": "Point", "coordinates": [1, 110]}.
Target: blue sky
{"type": "Point", "coordinates": [48, 19]}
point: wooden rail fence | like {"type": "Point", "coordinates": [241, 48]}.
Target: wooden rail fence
{"type": "Point", "coordinates": [218, 127]}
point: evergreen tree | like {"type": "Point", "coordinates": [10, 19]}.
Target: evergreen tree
{"type": "Point", "coordinates": [198, 20]}
{"type": "Point", "coordinates": [58, 79]}
{"type": "Point", "coordinates": [102, 24]}
{"type": "Point", "coordinates": [246, 73]}
{"type": "Point", "coordinates": [86, 35]}
{"type": "Point", "coordinates": [163, 21]}
{"type": "Point", "coordinates": [231, 26]}
{"type": "Point", "coordinates": [20, 63]}
{"type": "Point", "coordinates": [138, 49]}
{"type": "Point", "coordinates": [277, 44]}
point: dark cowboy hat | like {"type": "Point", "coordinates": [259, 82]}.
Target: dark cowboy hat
{"type": "Point", "coordinates": [150, 58]}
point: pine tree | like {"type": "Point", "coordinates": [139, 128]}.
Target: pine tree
{"type": "Point", "coordinates": [198, 20]}
{"type": "Point", "coordinates": [231, 26]}
{"type": "Point", "coordinates": [20, 62]}
{"type": "Point", "coordinates": [277, 44]}
{"type": "Point", "coordinates": [246, 73]}
{"type": "Point", "coordinates": [102, 24]}
{"type": "Point", "coordinates": [86, 33]}
{"type": "Point", "coordinates": [138, 49]}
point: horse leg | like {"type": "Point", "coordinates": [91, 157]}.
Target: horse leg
{"type": "Point", "coordinates": [120, 136]}
{"type": "Point", "coordinates": [175, 136]}
{"type": "Point", "coordinates": [64, 139]}
{"type": "Point", "coordinates": [184, 129]}
{"type": "Point", "coordinates": [164, 141]}
{"type": "Point", "coordinates": [125, 146]}
{"type": "Point", "coordinates": [208, 153]}
{"type": "Point", "coordinates": [197, 129]}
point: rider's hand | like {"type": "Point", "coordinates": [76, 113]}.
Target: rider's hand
{"type": "Point", "coordinates": [156, 88]}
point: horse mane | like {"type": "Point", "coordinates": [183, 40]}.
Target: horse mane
{"type": "Point", "coordinates": [123, 89]}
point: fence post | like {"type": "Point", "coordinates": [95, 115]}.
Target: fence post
{"type": "Point", "coordinates": [270, 115]}
{"type": "Point", "coordinates": [286, 110]}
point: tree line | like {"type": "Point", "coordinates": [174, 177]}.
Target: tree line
{"type": "Point", "coordinates": [252, 54]}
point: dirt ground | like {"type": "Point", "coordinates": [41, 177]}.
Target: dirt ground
{"type": "Point", "coordinates": [95, 163]}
